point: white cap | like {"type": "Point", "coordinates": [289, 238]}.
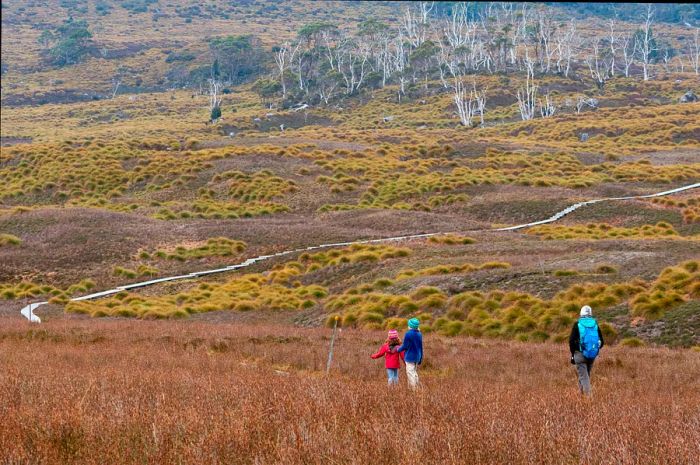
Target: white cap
{"type": "Point", "coordinates": [586, 311]}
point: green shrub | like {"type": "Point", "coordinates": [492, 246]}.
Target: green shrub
{"type": "Point", "coordinates": [9, 239]}
{"type": "Point", "coordinates": [632, 342]}
{"type": "Point", "coordinates": [453, 328]}
{"type": "Point", "coordinates": [609, 332]}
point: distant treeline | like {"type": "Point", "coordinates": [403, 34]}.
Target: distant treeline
{"type": "Point", "coordinates": [665, 12]}
{"type": "Point", "coordinates": [445, 41]}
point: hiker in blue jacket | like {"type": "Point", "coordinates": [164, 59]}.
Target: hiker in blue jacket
{"type": "Point", "coordinates": [413, 346]}
{"type": "Point", "coordinates": [585, 342]}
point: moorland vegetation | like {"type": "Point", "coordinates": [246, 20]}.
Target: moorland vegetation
{"type": "Point", "coordinates": [448, 117]}
{"type": "Point", "coordinates": [143, 140]}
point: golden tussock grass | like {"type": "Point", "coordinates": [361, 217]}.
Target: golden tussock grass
{"type": "Point", "coordinates": [9, 240]}
{"type": "Point", "coordinates": [508, 314]}
{"type": "Point", "coordinates": [690, 208]}
{"type": "Point", "coordinates": [661, 230]}
{"type": "Point", "coordinates": [32, 290]}
{"type": "Point", "coordinates": [213, 247]}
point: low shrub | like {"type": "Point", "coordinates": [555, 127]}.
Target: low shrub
{"type": "Point", "coordinates": [9, 239]}
{"type": "Point", "coordinates": [606, 269]}
{"type": "Point", "coordinates": [632, 342]}
{"type": "Point", "coordinates": [565, 273]}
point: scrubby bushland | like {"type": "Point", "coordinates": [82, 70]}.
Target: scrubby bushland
{"type": "Point", "coordinates": [399, 181]}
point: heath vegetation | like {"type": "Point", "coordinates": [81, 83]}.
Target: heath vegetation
{"type": "Point", "coordinates": [147, 139]}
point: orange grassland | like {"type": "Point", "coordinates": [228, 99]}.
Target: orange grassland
{"type": "Point", "coordinates": [154, 392]}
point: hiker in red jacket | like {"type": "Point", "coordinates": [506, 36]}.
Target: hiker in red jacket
{"type": "Point", "coordinates": [391, 359]}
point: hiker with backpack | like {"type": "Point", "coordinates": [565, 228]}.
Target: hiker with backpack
{"type": "Point", "coordinates": [413, 346]}
{"type": "Point", "coordinates": [392, 360]}
{"type": "Point", "coordinates": [585, 343]}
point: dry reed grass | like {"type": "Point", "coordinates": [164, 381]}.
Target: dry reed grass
{"type": "Point", "coordinates": [165, 392]}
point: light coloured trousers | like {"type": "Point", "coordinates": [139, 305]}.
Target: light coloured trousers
{"type": "Point", "coordinates": [583, 368]}
{"type": "Point", "coordinates": [412, 374]}
{"type": "Point", "coordinates": [393, 375]}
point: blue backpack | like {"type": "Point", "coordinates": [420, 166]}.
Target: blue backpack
{"type": "Point", "coordinates": [589, 341]}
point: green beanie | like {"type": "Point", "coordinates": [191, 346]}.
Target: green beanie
{"type": "Point", "coordinates": [413, 323]}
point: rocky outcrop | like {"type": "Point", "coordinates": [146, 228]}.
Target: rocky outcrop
{"type": "Point", "coordinates": [688, 97]}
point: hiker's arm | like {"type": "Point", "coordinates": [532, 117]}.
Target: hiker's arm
{"type": "Point", "coordinates": [402, 347]}
{"type": "Point", "coordinates": [380, 352]}
{"type": "Point", "coordinates": [600, 336]}
{"type": "Point", "coordinates": [420, 347]}
{"type": "Point", "coordinates": [573, 339]}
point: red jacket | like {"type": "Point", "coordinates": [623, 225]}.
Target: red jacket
{"type": "Point", "coordinates": [391, 358]}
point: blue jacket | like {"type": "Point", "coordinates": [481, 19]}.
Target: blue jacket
{"type": "Point", "coordinates": [413, 345]}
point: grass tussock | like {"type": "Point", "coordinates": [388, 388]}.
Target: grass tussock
{"type": "Point", "coordinates": [451, 239]}
{"type": "Point", "coordinates": [675, 285]}
{"type": "Point", "coordinates": [510, 314]}
{"type": "Point", "coordinates": [9, 239]}
{"type": "Point", "coordinates": [690, 208]}
{"type": "Point", "coordinates": [450, 269]}
{"type": "Point", "coordinates": [596, 231]}
{"type": "Point", "coordinates": [31, 290]}
{"type": "Point", "coordinates": [355, 254]}
{"type": "Point", "coordinates": [386, 303]}
{"type": "Point", "coordinates": [214, 247]}
{"type": "Point", "coordinates": [242, 294]}
{"type": "Point", "coordinates": [260, 186]}
{"type": "Point", "coordinates": [141, 271]}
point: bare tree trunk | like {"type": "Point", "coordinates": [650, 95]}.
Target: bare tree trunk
{"type": "Point", "coordinates": [415, 23]}
{"type": "Point", "coordinates": [547, 108]}
{"type": "Point", "coordinates": [694, 51]}
{"type": "Point", "coordinates": [597, 66]}
{"type": "Point", "coordinates": [527, 98]}
{"type": "Point", "coordinates": [283, 58]}
{"type": "Point", "coordinates": [627, 53]}
{"type": "Point", "coordinates": [468, 105]}
{"type": "Point", "coordinates": [585, 101]}
{"type": "Point", "coordinates": [644, 44]}
{"type": "Point", "coordinates": [612, 39]}
{"type": "Point", "coordinates": [116, 88]}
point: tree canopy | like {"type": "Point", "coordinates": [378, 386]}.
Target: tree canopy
{"type": "Point", "coordinates": [72, 42]}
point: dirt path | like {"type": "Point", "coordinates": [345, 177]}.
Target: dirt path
{"type": "Point", "coordinates": [28, 311]}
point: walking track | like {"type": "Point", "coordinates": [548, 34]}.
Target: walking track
{"type": "Point", "coordinates": [28, 311]}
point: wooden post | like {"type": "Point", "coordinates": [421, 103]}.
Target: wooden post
{"type": "Point", "coordinates": [330, 352]}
